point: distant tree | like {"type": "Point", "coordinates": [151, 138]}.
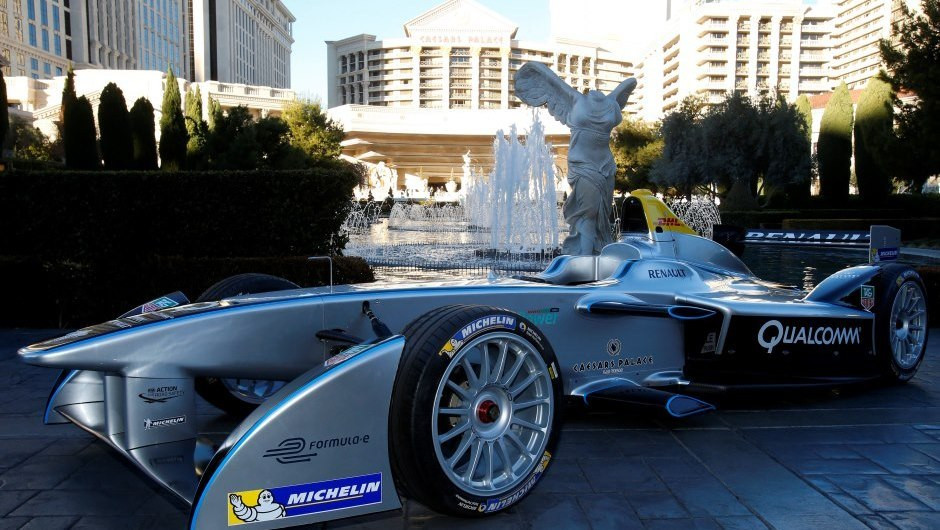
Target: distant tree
{"type": "Point", "coordinates": [312, 131]}
{"type": "Point", "coordinates": [144, 140]}
{"type": "Point", "coordinates": [636, 145]}
{"type": "Point", "coordinates": [215, 113]}
{"type": "Point", "coordinates": [117, 146]}
{"type": "Point", "coordinates": [4, 110]}
{"type": "Point", "coordinates": [874, 124]}
{"type": "Point", "coordinates": [68, 91]}
{"type": "Point", "coordinates": [680, 166]}
{"type": "Point", "coordinates": [173, 135]}
{"type": "Point", "coordinates": [197, 129]}
{"type": "Point", "coordinates": [70, 145]}
{"type": "Point", "coordinates": [733, 133]}
{"type": "Point", "coordinates": [233, 143]}
{"type": "Point", "coordinates": [806, 110]}
{"type": "Point", "coordinates": [786, 151]}
{"type": "Point", "coordinates": [27, 142]}
{"type": "Point", "coordinates": [80, 134]}
{"type": "Point", "coordinates": [911, 57]}
{"type": "Point", "coordinates": [834, 147]}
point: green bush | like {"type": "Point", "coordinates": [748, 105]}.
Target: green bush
{"type": "Point", "coordinates": [71, 294]}
{"type": "Point", "coordinates": [100, 216]}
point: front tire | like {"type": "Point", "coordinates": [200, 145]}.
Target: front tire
{"type": "Point", "coordinates": [238, 397]}
{"type": "Point", "coordinates": [900, 322]}
{"type": "Point", "coordinates": [475, 410]}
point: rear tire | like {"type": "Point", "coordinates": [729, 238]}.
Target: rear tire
{"type": "Point", "coordinates": [476, 410]}
{"type": "Point", "coordinates": [900, 321]}
{"type": "Point", "coordinates": [238, 397]}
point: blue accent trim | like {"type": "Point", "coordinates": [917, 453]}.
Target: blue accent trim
{"type": "Point", "coordinates": [705, 313]}
{"type": "Point", "coordinates": [286, 402]}
{"type": "Point", "coordinates": [55, 392]}
{"type": "Point", "coordinates": [707, 406]}
{"type": "Point", "coordinates": [296, 300]}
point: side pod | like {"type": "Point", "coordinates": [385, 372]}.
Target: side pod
{"type": "Point", "coordinates": [315, 451]}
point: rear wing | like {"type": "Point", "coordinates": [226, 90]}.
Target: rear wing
{"type": "Point", "coordinates": [885, 244]}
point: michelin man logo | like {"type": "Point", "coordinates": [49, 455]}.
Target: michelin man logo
{"type": "Point", "coordinates": [265, 510]}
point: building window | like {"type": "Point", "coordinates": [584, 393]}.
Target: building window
{"type": "Point", "coordinates": [47, 68]}
{"type": "Point", "coordinates": [55, 18]}
{"type": "Point", "coordinates": [43, 13]}
{"type": "Point", "coordinates": [32, 35]}
{"type": "Point", "coordinates": [31, 9]}
{"type": "Point", "coordinates": [58, 70]}
{"type": "Point", "coordinates": [33, 63]}
{"type": "Point", "coordinates": [45, 40]}
{"type": "Point", "coordinates": [57, 41]}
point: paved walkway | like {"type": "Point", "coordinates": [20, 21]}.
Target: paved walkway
{"type": "Point", "coordinates": [853, 459]}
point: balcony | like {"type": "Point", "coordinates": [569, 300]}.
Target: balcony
{"type": "Point", "coordinates": [429, 62]}
{"type": "Point", "coordinates": [814, 43]}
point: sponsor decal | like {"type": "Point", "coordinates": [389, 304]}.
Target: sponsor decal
{"type": "Point", "coordinates": [164, 422]}
{"type": "Point", "coordinates": [613, 347]}
{"type": "Point", "coordinates": [166, 460]}
{"type": "Point", "coordinates": [711, 342]}
{"type": "Point", "coordinates": [543, 317]}
{"type": "Point", "coordinates": [885, 254]}
{"type": "Point", "coordinates": [345, 355]}
{"type": "Point", "coordinates": [868, 297]}
{"type": "Point", "coordinates": [552, 372]}
{"type": "Point", "coordinates": [854, 237]}
{"type": "Point", "coordinates": [158, 304]}
{"type": "Point", "coordinates": [667, 273]}
{"type": "Point", "coordinates": [477, 326]}
{"type": "Point", "coordinates": [160, 394]}
{"type": "Point", "coordinates": [251, 506]}
{"type": "Point", "coordinates": [612, 366]}
{"type": "Point", "coordinates": [294, 450]}
{"type": "Point", "coordinates": [773, 332]}
{"type": "Point", "coordinates": [530, 333]}
{"type": "Point", "coordinates": [668, 221]}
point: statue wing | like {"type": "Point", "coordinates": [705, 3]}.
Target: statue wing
{"type": "Point", "coordinates": [623, 91]}
{"type": "Point", "coordinates": [537, 85]}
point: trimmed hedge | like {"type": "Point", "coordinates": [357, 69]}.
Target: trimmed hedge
{"type": "Point", "coordinates": [92, 216]}
{"type": "Point", "coordinates": [920, 227]}
{"type": "Point", "coordinates": [74, 294]}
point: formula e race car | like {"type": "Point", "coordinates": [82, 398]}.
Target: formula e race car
{"type": "Point", "coordinates": [451, 393]}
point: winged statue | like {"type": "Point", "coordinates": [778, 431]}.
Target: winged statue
{"type": "Point", "coordinates": [591, 167]}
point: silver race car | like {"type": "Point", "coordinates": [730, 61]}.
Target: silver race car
{"type": "Point", "coordinates": [451, 393]}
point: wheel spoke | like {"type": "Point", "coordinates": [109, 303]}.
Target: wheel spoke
{"type": "Point", "coordinates": [527, 404]}
{"type": "Point", "coordinates": [527, 424]}
{"type": "Point", "coordinates": [501, 360]}
{"type": "Point", "coordinates": [460, 391]}
{"type": "Point", "coordinates": [472, 378]}
{"type": "Point", "coordinates": [474, 460]}
{"type": "Point", "coordinates": [461, 427]}
{"type": "Point", "coordinates": [489, 464]}
{"type": "Point", "coordinates": [514, 438]}
{"type": "Point", "coordinates": [461, 449]}
{"type": "Point", "coordinates": [514, 370]}
{"type": "Point", "coordinates": [507, 464]}
{"type": "Point", "coordinates": [462, 411]}
{"type": "Point", "coordinates": [517, 390]}
{"type": "Point", "coordinates": [485, 363]}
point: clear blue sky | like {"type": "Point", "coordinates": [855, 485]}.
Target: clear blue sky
{"type": "Point", "coordinates": [321, 20]}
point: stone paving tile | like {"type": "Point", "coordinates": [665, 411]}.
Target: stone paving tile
{"type": "Point", "coordinates": [920, 488]}
{"type": "Point", "coordinates": [656, 505]}
{"type": "Point", "coordinates": [740, 522]}
{"type": "Point", "coordinates": [877, 522]}
{"type": "Point", "coordinates": [915, 520]}
{"type": "Point", "coordinates": [78, 502]}
{"type": "Point", "coordinates": [705, 496]}
{"type": "Point", "coordinates": [682, 524]}
{"type": "Point", "coordinates": [13, 523]}
{"type": "Point", "coordinates": [39, 472]}
{"type": "Point", "coordinates": [132, 522]}
{"type": "Point", "coordinates": [619, 475]}
{"type": "Point", "coordinates": [900, 459]}
{"type": "Point", "coordinates": [565, 476]}
{"type": "Point", "coordinates": [778, 495]}
{"type": "Point", "coordinates": [609, 511]}
{"type": "Point", "coordinates": [10, 500]}
{"type": "Point", "coordinates": [843, 499]}
{"type": "Point", "coordinates": [50, 523]}
{"type": "Point", "coordinates": [865, 434]}
{"type": "Point", "coordinates": [15, 451]}
{"type": "Point", "coordinates": [876, 494]}
{"type": "Point", "coordinates": [544, 510]}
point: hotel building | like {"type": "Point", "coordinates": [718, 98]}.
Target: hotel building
{"type": "Point", "coordinates": [421, 101]}
{"type": "Point", "coordinates": [858, 28]}
{"type": "Point", "coordinates": [712, 48]}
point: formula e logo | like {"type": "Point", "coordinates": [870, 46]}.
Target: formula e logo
{"type": "Point", "coordinates": [773, 333]}
{"type": "Point", "coordinates": [294, 450]}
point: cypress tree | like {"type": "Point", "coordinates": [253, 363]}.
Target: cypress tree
{"type": "Point", "coordinates": [173, 136]}
{"type": "Point", "coordinates": [196, 128]}
{"type": "Point", "coordinates": [834, 148]}
{"type": "Point", "coordinates": [4, 112]}
{"type": "Point", "coordinates": [806, 110]}
{"type": "Point", "coordinates": [81, 135]}
{"type": "Point", "coordinates": [873, 128]}
{"type": "Point", "coordinates": [117, 146]}
{"type": "Point", "coordinates": [215, 113]}
{"type": "Point", "coordinates": [142, 134]}
{"type": "Point", "coordinates": [69, 145]}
